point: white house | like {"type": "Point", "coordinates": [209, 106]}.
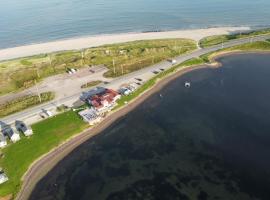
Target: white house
{"type": "Point", "coordinates": [3, 177]}
{"type": "Point", "coordinates": [13, 135]}
{"type": "Point", "coordinates": [90, 116]}
{"type": "Point", "coordinates": [27, 131]}
{"type": "Point", "coordinates": [3, 141]}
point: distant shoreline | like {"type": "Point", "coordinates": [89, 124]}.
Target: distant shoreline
{"type": "Point", "coordinates": [103, 39]}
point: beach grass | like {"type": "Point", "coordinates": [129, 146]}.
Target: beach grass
{"type": "Point", "coordinates": [254, 46]}
{"type": "Point", "coordinates": [91, 84]}
{"type": "Point", "coordinates": [16, 158]}
{"type": "Point", "coordinates": [218, 39]}
{"type": "Point", "coordinates": [24, 102]}
{"type": "Point", "coordinates": [123, 58]}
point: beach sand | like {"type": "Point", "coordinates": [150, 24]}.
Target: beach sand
{"type": "Point", "coordinates": [93, 41]}
{"type": "Point", "coordinates": [43, 165]}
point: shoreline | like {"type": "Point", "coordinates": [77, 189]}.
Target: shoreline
{"type": "Point", "coordinates": [39, 168]}
{"type": "Point", "coordinates": [44, 164]}
{"type": "Point", "coordinates": [103, 39]}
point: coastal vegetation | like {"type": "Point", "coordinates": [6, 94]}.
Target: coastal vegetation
{"type": "Point", "coordinates": [254, 46]}
{"type": "Point", "coordinates": [123, 58]}
{"type": "Point", "coordinates": [218, 39]}
{"type": "Point", "coordinates": [91, 84]}
{"type": "Point", "coordinates": [24, 102]}
{"type": "Point", "coordinates": [49, 133]}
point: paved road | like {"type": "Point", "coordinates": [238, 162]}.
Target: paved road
{"type": "Point", "coordinates": [145, 74]}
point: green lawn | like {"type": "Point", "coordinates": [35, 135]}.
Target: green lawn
{"type": "Point", "coordinates": [49, 133]}
{"type": "Point", "coordinates": [18, 74]}
{"type": "Point", "coordinates": [218, 39]}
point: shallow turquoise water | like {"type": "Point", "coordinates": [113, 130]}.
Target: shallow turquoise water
{"type": "Point", "coordinates": [28, 21]}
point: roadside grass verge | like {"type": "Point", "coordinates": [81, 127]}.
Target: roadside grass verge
{"type": "Point", "coordinates": [150, 83]}
{"type": "Point", "coordinates": [24, 102]}
{"type": "Point", "coordinates": [123, 58]}
{"type": "Point", "coordinates": [218, 39]}
{"type": "Point", "coordinates": [255, 46]}
{"type": "Point", "coordinates": [91, 84]}
{"type": "Point", "coordinates": [16, 158]}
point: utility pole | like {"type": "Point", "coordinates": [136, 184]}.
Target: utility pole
{"type": "Point", "coordinates": [122, 69]}
{"type": "Point", "coordinates": [113, 66]}
{"type": "Point", "coordinates": [37, 72]}
{"type": "Point", "coordinates": [82, 57]}
{"type": "Point", "coordinates": [37, 91]}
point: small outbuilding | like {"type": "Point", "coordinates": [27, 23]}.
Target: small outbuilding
{"type": "Point", "coordinates": [12, 134]}
{"type": "Point", "coordinates": [90, 116]}
{"type": "Point", "coordinates": [23, 128]}
{"type": "Point", "coordinates": [3, 177]}
{"type": "Point", "coordinates": [3, 141]}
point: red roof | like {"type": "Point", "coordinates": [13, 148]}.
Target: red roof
{"type": "Point", "coordinates": [98, 100]}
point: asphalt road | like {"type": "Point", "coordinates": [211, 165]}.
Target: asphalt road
{"type": "Point", "coordinates": [145, 74]}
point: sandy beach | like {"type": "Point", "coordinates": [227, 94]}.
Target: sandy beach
{"type": "Point", "coordinates": [93, 41]}
{"type": "Point", "coordinates": [44, 164]}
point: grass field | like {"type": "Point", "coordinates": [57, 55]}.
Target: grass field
{"type": "Point", "coordinates": [127, 57]}
{"type": "Point", "coordinates": [16, 158]}
{"type": "Point", "coordinates": [91, 84]}
{"type": "Point", "coordinates": [24, 102]}
{"type": "Point", "coordinates": [218, 39]}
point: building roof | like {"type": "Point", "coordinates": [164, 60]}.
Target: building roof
{"type": "Point", "coordinates": [99, 99]}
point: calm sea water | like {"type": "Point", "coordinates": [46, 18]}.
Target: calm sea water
{"type": "Point", "coordinates": [211, 141]}
{"type": "Point", "coordinates": [28, 21]}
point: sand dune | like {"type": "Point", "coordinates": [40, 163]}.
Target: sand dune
{"type": "Point", "coordinates": [92, 41]}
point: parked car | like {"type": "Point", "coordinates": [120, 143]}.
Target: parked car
{"type": "Point", "coordinates": [173, 61]}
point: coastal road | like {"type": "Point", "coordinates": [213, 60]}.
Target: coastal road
{"type": "Point", "coordinates": [145, 74]}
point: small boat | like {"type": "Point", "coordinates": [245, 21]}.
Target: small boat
{"type": "Point", "coordinates": [187, 84]}
{"type": "Point", "coordinates": [160, 95]}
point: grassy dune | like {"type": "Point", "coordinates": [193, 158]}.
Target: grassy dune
{"type": "Point", "coordinates": [21, 73]}
{"type": "Point", "coordinates": [218, 39]}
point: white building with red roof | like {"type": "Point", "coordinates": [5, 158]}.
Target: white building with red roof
{"type": "Point", "coordinates": [105, 100]}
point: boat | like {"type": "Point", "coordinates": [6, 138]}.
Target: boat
{"type": "Point", "coordinates": [187, 84]}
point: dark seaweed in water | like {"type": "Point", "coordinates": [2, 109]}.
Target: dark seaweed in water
{"type": "Point", "coordinates": [211, 141]}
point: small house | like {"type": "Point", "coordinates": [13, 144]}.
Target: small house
{"type": "Point", "coordinates": [12, 134]}
{"type": "Point", "coordinates": [90, 116]}
{"type": "Point", "coordinates": [3, 177]}
{"type": "Point", "coordinates": [3, 141]}
{"type": "Point", "coordinates": [27, 131]}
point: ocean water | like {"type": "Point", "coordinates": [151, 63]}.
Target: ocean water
{"type": "Point", "coordinates": [33, 21]}
{"type": "Point", "coordinates": [211, 141]}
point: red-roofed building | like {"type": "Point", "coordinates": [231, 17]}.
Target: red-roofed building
{"type": "Point", "coordinates": [105, 100]}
